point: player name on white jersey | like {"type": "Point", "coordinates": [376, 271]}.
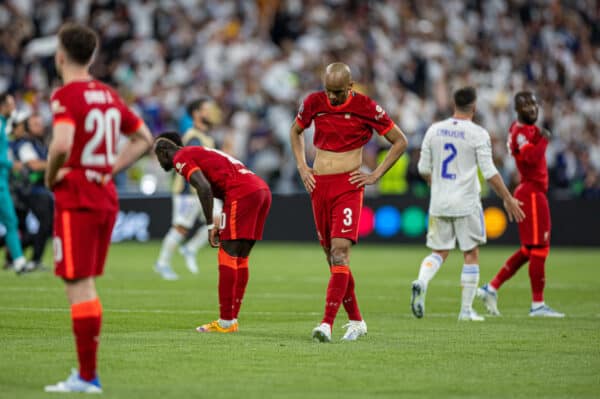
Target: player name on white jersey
{"type": "Point", "coordinates": [451, 152]}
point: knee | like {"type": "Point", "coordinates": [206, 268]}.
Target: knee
{"type": "Point", "coordinates": [340, 255]}
{"type": "Point", "coordinates": [472, 256]}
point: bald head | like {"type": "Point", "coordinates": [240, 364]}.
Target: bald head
{"type": "Point", "coordinates": [338, 82]}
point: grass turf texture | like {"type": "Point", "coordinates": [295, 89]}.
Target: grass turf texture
{"type": "Point", "coordinates": [149, 347]}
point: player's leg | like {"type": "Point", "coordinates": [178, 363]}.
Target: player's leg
{"type": "Point", "coordinates": [242, 252]}
{"type": "Point", "coordinates": [183, 216]}
{"type": "Point", "coordinates": [470, 233]}
{"type": "Point", "coordinates": [440, 238]}
{"type": "Point", "coordinates": [337, 286]}
{"type": "Point", "coordinates": [538, 254]}
{"type": "Point", "coordinates": [81, 246]}
{"type": "Point", "coordinates": [42, 206]}
{"type": "Point", "coordinates": [9, 219]}
{"type": "Point", "coordinates": [488, 292]}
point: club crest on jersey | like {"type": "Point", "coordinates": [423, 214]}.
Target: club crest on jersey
{"type": "Point", "coordinates": [57, 107]}
{"type": "Point", "coordinates": [380, 112]}
{"type": "Point", "coordinates": [179, 166]}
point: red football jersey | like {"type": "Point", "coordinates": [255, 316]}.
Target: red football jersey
{"type": "Point", "coordinates": [528, 146]}
{"type": "Point", "coordinates": [227, 176]}
{"type": "Point", "coordinates": [99, 116]}
{"type": "Point", "coordinates": [343, 127]}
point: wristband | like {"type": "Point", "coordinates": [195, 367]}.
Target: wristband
{"type": "Point", "coordinates": [210, 226]}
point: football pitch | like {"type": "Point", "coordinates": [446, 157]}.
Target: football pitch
{"type": "Point", "coordinates": [149, 347]}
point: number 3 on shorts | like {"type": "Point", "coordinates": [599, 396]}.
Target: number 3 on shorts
{"type": "Point", "coordinates": [347, 217]}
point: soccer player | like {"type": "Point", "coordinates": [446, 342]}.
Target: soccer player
{"type": "Point", "coordinates": [344, 122]}
{"type": "Point", "coordinates": [8, 217]}
{"type": "Point", "coordinates": [246, 202]}
{"type": "Point", "coordinates": [450, 154]}
{"type": "Point", "coordinates": [88, 117]}
{"type": "Point", "coordinates": [186, 209]}
{"type": "Point", "coordinates": [527, 144]}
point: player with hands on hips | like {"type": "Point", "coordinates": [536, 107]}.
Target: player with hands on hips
{"type": "Point", "coordinates": [344, 122]}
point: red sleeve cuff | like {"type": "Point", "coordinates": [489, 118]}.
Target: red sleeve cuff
{"type": "Point", "coordinates": [63, 119]}
{"type": "Point", "coordinates": [137, 127]}
{"type": "Point", "coordinates": [387, 129]}
{"type": "Point", "coordinates": [188, 174]}
{"type": "Point", "coordinates": [300, 123]}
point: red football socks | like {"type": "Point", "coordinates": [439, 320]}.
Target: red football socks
{"type": "Point", "coordinates": [336, 290]}
{"type": "Point", "coordinates": [227, 283]}
{"type": "Point", "coordinates": [87, 318]}
{"type": "Point", "coordinates": [349, 301]}
{"type": "Point", "coordinates": [537, 274]}
{"type": "Point", "coordinates": [240, 285]}
{"type": "Point", "coordinates": [511, 266]}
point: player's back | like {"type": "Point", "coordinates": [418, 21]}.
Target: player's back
{"type": "Point", "coordinates": [226, 175]}
{"type": "Point", "coordinates": [98, 116]}
{"type": "Point", "coordinates": [450, 153]}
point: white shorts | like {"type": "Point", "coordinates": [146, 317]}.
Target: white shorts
{"type": "Point", "coordinates": [443, 231]}
{"type": "Point", "coordinates": [187, 208]}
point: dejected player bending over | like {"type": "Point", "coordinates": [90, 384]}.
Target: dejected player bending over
{"type": "Point", "coordinates": [451, 152]}
{"type": "Point", "coordinates": [246, 202]}
{"type": "Point", "coordinates": [344, 122]}
{"type": "Point", "coordinates": [527, 144]}
{"type": "Point", "coordinates": [88, 117]}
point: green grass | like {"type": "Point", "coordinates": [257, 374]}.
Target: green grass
{"type": "Point", "coordinates": [149, 348]}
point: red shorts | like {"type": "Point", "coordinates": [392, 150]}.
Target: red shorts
{"type": "Point", "coordinates": [336, 208]}
{"type": "Point", "coordinates": [535, 229]}
{"type": "Point", "coordinates": [81, 241]}
{"type": "Point", "coordinates": [244, 218]}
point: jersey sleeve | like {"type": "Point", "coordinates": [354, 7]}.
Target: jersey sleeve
{"type": "Point", "coordinates": [378, 119]}
{"type": "Point", "coordinates": [185, 165]}
{"type": "Point", "coordinates": [306, 112]}
{"type": "Point", "coordinates": [61, 111]}
{"type": "Point", "coordinates": [483, 151]}
{"type": "Point", "coordinates": [130, 122]}
{"type": "Point", "coordinates": [532, 150]}
{"type": "Point", "coordinates": [425, 165]}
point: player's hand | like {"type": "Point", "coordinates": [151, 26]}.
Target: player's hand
{"type": "Point", "coordinates": [546, 133]}
{"type": "Point", "coordinates": [362, 179]}
{"type": "Point", "coordinates": [50, 181]}
{"type": "Point", "coordinates": [513, 208]}
{"type": "Point", "coordinates": [308, 179]}
{"type": "Point", "coordinates": [213, 237]}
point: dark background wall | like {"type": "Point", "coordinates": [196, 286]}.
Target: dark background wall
{"type": "Point", "coordinates": [390, 219]}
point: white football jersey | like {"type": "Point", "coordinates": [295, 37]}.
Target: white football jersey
{"type": "Point", "coordinates": [451, 151]}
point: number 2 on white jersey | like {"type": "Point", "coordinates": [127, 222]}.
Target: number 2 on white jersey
{"type": "Point", "coordinates": [104, 125]}
{"type": "Point", "coordinates": [447, 160]}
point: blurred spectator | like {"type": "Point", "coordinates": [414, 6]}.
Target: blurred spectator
{"type": "Point", "coordinates": [259, 58]}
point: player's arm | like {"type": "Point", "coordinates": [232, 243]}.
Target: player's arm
{"type": "Point", "coordinates": [425, 165]}
{"type": "Point", "coordinates": [58, 151]}
{"type": "Point", "coordinates": [533, 152]}
{"type": "Point", "coordinates": [490, 173]}
{"type": "Point", "coordinates": [140, 141]}
{"type": "Point", "coordinates": [204, 192]}
{"type": "Point", "coordinates": [399, 143]}
{"type": "Point", "coordinates": [297, 142]}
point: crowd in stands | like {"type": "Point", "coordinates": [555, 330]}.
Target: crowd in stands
{"type": "Point", "coordinates": [258, 59]}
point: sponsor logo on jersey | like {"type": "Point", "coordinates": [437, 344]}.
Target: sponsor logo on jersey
{"type": "Point", "coordinates": [179, 166]}
{"type": "Point", "coordinates": [380, 112]}
{"type": "Point", "coordinates": [521, 140]}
